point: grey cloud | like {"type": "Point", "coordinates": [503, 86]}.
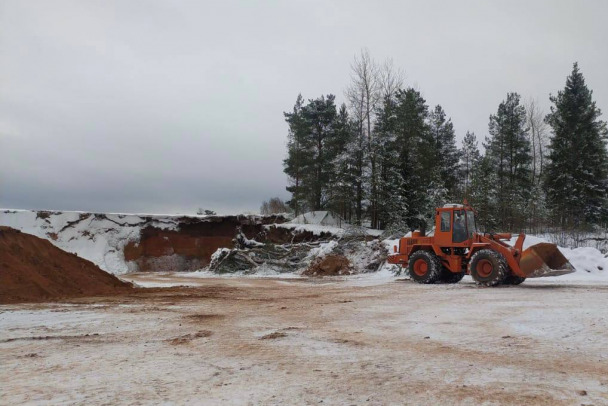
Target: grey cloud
{"type": "Point", "coordinates": [167, 106]}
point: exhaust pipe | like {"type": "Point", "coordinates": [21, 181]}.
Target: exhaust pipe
{"type": "Point", "coordinates": [544, 259]}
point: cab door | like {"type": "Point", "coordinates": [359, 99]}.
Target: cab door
{"type": "Point", "coordinates": [443, 227]}
{"type": "Point", "coordinates": [459, 227]}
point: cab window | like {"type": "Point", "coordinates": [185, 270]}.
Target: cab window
{"type": "Point", "coordinates": [445, 221]}
{"type": "Point", "coordinates": [459, 233]}
{"type": "Point", "coordinates": [471, 223]}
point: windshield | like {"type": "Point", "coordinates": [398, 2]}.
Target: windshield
{"type": "Point", "coordinates": [470, 223]}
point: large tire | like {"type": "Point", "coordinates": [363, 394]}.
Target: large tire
{"type": "Point", "coordinates": [488, 267]}
{"type": "Point", "coordinates": [424, 267]}
{"type": "Point", "coordinates": [448, 276]}
{"type": "Point", "coordinates": [513, 280]}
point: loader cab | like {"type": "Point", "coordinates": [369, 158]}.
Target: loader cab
{"type": "Point", "coordinates": [455, 225]}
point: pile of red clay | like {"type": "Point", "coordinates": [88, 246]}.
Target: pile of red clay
{"type": "Point", "coordinates": [330, 265]}
{"type": "Point", "coordinates": [34, 270]}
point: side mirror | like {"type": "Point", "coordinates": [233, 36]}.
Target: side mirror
{"type": "Point", "coordinates": [394, 248]}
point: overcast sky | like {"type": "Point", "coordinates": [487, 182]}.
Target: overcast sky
{"type": "Point", "coordinates": [167, 106]}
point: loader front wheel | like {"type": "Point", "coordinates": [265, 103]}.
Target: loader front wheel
{"type": "Point", "coordinates": [488, 267]}
{"type": "Point", "coordinates": [424, 267]}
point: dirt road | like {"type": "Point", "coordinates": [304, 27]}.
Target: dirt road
{"type": "Point", "coordinates": [277, 342]}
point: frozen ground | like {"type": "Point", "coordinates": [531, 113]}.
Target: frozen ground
{"type": "Point", "coordinates": [369, 339]}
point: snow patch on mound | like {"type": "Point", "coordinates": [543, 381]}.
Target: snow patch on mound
{"type": "Point", "coordinates": [315, 229]}
{"type": "Point", "coordinates": [318, 229]}
{"type": "Point", "coordinates": [325, 248]}
{"type": "Point", "coordinates": [100, 238]}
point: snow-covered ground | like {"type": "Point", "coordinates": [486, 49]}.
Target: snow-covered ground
{"type": "Point", "coordinates": [330, 341]}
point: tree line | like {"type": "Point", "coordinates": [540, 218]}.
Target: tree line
{"type": "Point", "coordinates": [386, 158]}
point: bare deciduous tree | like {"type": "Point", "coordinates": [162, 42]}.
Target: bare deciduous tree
{"type": "Point", "coordinates": [535, 118]}
{"type": "Point", "coordinates": [363, 92]}
{"type": "Point", "coordinates": [205, 212]}
{"type": "Point", "coordinates": [273, 206]}
{"type": "Point", "coordinates": [391, 79]}
{"type": "Point", "coordinates": [538, 133]}
{"type": "Point", "coordinates": [362, 95]}
{"type": "Point", "coordinates": [370, 84]}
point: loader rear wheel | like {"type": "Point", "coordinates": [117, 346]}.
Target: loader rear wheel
{"type": "Point", "coordinates": [513, 280]}
{"type": "Point", "coordinates": [424, 267]}
{"type": "Point", "coordinates": [448, 276]}
{"type": "Point", "coordinates": [488, 267]}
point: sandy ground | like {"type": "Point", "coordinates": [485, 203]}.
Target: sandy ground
{"type": "Point", "coordinates": [276, 342]}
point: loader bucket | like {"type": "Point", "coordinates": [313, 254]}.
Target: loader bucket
{"type": "Point", "coordinates": [544, 259]}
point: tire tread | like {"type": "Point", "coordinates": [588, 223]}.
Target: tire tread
{"type": "Point", "coordinates": [434, 263]}
{"type": "Point", "coordinates": [497, 258]}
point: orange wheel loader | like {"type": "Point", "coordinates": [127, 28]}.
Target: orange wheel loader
{"type": "Point", "coordinates": [457, 249]}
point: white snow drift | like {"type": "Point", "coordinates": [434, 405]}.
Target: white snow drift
{"type": "Point", "coordinates": [100, 238]}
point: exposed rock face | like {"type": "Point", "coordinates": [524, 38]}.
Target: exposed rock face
{"type": "Point", "coordinates": [190, 246]}
{"type": "Point", "coordinates": [120, 243]}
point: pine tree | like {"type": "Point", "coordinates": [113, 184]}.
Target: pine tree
{"type": "Point", "coordinates": [416, 157]}
{"type": "Point", "coordinates": [508, 149]}
{"type": "Point", "coordinates": [483, 194]}
{"type": "Point", "coordinates": [298, 157]}
{"type": "Point", "coordinates": [446, 155]}
{"type": "Point", "coordinates": [537, 209]}
{"type": "Point", "coordinates": [358, 152]}
{"type": "Point", "coordinates": [576, 176]}
{"type": "Point", "coordinates": [343, 166]}
{"type": "Point", "coordinates": [391, 207]}
{"type": "Point", "coordinates": [310, 153]}
{"type": "Point", "coordinates": [320, 116]}
{"type": "Point", "coordinates": [469, 155]}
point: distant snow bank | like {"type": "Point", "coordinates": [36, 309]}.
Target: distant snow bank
{"type": "Point", "coordinates": [315, 229]}
{"type": "Point", "coordinates": [318, 229]}
{"type": "Point", "coordinates": [321, 218]}
{"type": "Point", "coordinates": [99, 238]}
{"type": "Point", "coordinates": [318, 222]}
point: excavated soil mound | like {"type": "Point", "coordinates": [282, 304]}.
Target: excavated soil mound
{"type": "Point", "coordinates": [329, 266]}
{"type": "Point", "coordinates": [34, 270]}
